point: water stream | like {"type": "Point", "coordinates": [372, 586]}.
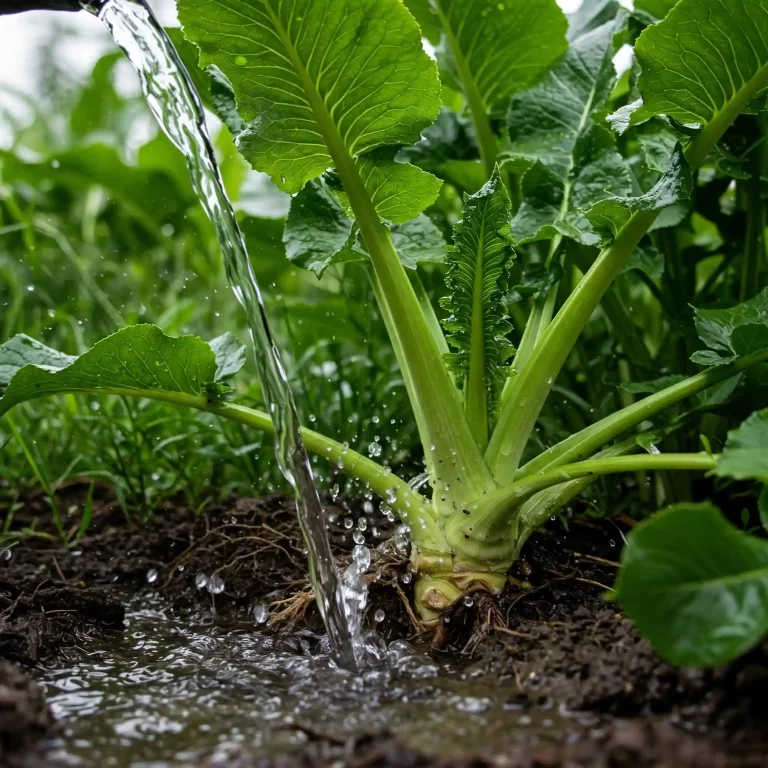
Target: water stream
{"type": "Point", "coordinates": [172, 691]}
{"type": "Point", "coordinates": [177, 107]}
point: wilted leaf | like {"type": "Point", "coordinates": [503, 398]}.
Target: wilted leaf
{"type": "Point", "coordinates": [695, 586]}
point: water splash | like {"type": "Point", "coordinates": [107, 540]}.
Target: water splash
{"type": "Point", "coordinates": [176, 105]}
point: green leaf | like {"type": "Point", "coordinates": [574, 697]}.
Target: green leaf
{"type": "Point", "coordinates": [609, 216]}
{"type": "Point", "coordinates": [730, 333]}
{"type": "Point", "coordinates": [318, 232]}
{"type": "Point", "coordinates": [545, 122]}
{"type": "Point", "coordinates": [212, 86]}
{"type": "Point", "coordinates": [318, 82]}
{"type": "Point", "coordinates": [647, 259]}
{"type": "Point", "coordinates": [553, 205]}
{"type": "Point", "coordinates": [745, 456]}
{"type": "Point", "coordinates": [590, 15]}
{"type": "Point", "coordinates": [695, 586]}
{"type": "Point", "coordinates": [536, 281]}
{"type": "Point", "coordinates": [477, 279]}
{"type": "Point", "coordinates": [399, 191]}
{"type": "Point", "coordinates": [230, 356]}
{"type": "Point", "coordinates": [559, 126]}
{"type": "Point", "coordinates": [700, 57]}
{"type": "Point", "coordinates": [656, 8]}
{"type": "Point", "coordinates": [136, 359]}
{"type": "Point", "coordinates": [496, 49]}
{"type": "Point", "coordinates": [446, 149]}
{"type": "Point", "coordinates": [419, 242]}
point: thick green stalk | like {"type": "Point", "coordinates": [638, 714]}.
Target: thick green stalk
{"type": "Point", "coordinates": [492, 519]}
{"type": "Point", "coordinates": [457, 462]}
{"type": "Point", "coordinates": [534, 382]}
{"type": "Point", "coordinates": [541, 506]}
{"type": "Point", "coordinates": [590, 439]}
{"type": "Point", "coordinates": [521, 410]}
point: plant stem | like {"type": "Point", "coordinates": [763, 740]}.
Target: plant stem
{"type": "Point", "coordinates": [489, 518]}
{"type": "Point", "coordinates": [590, 439]}
{"type": "Point", "coordinates": [754, 246]}
{"type": "Point", "coordinates": [533, 383]}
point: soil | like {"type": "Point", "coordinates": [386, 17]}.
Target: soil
{"type": "Point", "coordinates": [551, 639]}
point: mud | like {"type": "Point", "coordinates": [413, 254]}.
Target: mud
{"type": "Point", "coordinates": [551, 643]}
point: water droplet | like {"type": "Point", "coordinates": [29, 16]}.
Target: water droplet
{"type": "Point", "coordinates": [6, 555]}
{"type": "Point", "coordinates": [362, 524]}
{"type": "Point", "coordinates": [379, 616]}
{"type": "Point", "coordinates": [391, 495]}
{"type": "Point", "coordinates": [348, 523]}
{"type": "Point", "coordinates": [375, 419]}
{"type": "Point", "coordinates": [358, 537]}
{"type": "Point", "coordinates": [335, 492]}
{"type": "Point", "coordinates": [368, 509]}
{"type": "Point", "coordinates": [362, 556]}
{"type": "Point", "coordinates": [151, 575]}
{"type": "Point", "coordinates": [260, 613]}
{"type": "Point", "coordinates": [215, 584]}
{"type": "Point", "coordinates": [241, 61]}
{"type": "Point", "coordinates": [374, 449]}
{"type": "Point", "coordinates": [201, 581]}
{"type": "Point", "coordinates": [469, 601]}
{"type": "Point", "coordinates": [406, 578]}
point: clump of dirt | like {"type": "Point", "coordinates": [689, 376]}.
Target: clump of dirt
{"type": "Point", "coordinates": [24, 714]}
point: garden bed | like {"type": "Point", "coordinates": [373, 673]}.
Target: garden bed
{"type": "Point", "coordinates": [570, 681]}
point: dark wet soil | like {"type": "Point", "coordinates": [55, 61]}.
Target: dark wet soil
{"type": "Point", "coordinates": [551, 643]}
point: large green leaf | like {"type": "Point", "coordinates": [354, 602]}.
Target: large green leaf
{"type": "Point", "coordinates": [498, 48]}
{"type": "Point", "coordinates": [695, 586]}
{"type": "Point", "coordinates": [136, 359]}
{"type": "Point", "coordinates": [477, 279]}
{"type": "Point", "coordinates": [745, 456]}
{"type": "Point", "coordinates": [319, 82]}
{"type": "Point", "coordinates": [559, 127]}
{"type": "Point", "coordinates": [730, 333]}
{"type": "Point", "coordinates": [700, 57]}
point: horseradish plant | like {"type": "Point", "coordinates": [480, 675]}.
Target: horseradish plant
{"type": "Point", "coordinates": [546, 172]}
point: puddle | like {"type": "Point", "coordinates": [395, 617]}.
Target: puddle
{"type": "Point", "coordinates": [168, 691]}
